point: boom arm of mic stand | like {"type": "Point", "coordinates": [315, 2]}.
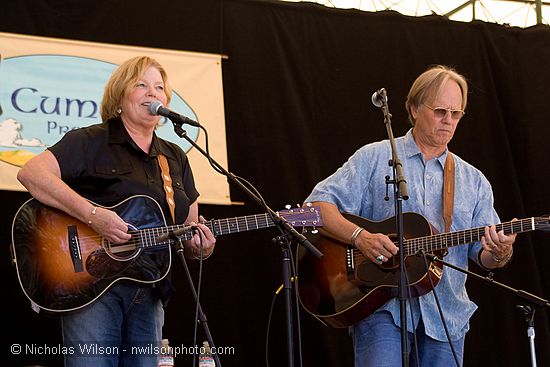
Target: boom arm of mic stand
{"type": "Point", "coordinates": [279, 221]}
{"type": "Point", "coordinates": [536, 300]}
{"type": "Point", "coordinates": [302, 240]}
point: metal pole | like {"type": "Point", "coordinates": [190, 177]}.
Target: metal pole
{"type": "Point", "coordinates": [538, 10]}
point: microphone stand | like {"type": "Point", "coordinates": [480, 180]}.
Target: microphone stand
{"type": "Point", "coordinates": [399, 183]}
{"type": "Point", "coordinates": [202, 317]}
{"type": "Point", "coordinates": [530, 319]}
{"type": "Point", "coordinates": [279, 221]}
{"type": "Point", "coordinates": [531, 298]}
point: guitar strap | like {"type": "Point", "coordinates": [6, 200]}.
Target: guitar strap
{"type": "Point", "coordinates": [168, 190]}
{"type": "Point", "coordinates": [448, 191]}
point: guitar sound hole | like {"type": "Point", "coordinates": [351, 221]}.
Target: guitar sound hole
{"type": "Point", "coordinates": [123, 251]}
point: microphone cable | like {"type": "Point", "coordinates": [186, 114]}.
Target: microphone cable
{"type": "Point", "coordinates": [410, 299]}
{"type": "Point", "coordinates": [426, 267]}
{"type": "Point", "coordinates": [293, 279]}
{"type": "Point", "coordinates": [199, 283]}
{"type": "Point", "coordinates": [269, 325]}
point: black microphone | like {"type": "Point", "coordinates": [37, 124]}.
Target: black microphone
{"type": "Point", "coordinates": [176, 232]}
{"type": "Point", "coordinates": [379, 98]}
{"type": "Point", "coordinates": [156, 108]}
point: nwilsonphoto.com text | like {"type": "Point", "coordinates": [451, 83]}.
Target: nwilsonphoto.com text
{"type": "Point", "coordinates": [94, 349]}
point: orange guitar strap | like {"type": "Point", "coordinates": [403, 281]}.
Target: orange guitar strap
{"type": "Point", "coordinates": [165, 173]}
{"type": "Point", "coordinates": [448, 191]}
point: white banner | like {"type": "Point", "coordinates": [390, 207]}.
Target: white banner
{"type": "Point", "coordinates": [49, 86]}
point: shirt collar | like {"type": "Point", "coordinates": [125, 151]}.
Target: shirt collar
{"type": "Point", "coordinates": [411, 149]}
{"type": "Point", "coordinates": [119, 135]}
{"type": "Point", "coordinates": [117, 132]}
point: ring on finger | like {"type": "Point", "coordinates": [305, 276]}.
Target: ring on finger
{"type": "Point", "coordinates": [380, 258]}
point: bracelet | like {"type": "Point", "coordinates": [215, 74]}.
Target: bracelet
{"type": "Point", "coordinates": [198, 257]}
{"type": "Point", "coordinates": [504, 260]}
{"type": "Point", "coordinates": [93, 213]}
{"type": "Point", "coordinates": [355, 234]}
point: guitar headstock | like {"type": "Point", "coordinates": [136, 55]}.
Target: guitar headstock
{"type": "Point", "coordinates": [543, 223]}
{"type": "Point", "coordinates": [306, 216]}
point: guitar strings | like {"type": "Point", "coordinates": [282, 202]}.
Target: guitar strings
{"type": "Point", "coordinates": [148, 237]}
{"type": "Point", "coordinates": [439, 241]}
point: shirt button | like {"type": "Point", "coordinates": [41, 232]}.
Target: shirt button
{"type": "Point", "coordinates": [428, 203]}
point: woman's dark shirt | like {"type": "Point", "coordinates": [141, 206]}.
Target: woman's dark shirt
{"type": "Point", "coordinates": [103, 164]}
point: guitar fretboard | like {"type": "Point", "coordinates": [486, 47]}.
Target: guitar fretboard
{"type": "Point", "coordinates": [445, 240]}
{"type": "Point", "coordinates": [235, 225]}
{"type": "Point", "coordinates": [299, 217]}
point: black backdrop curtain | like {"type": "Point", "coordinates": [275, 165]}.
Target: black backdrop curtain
{"type": "Point", "coordinates": [297, 87]}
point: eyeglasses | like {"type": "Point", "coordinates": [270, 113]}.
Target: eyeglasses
{"type": "Point", "coordinates": [441, 112]}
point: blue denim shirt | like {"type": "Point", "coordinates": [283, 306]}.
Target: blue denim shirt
{"type": "Point", "coordinates": [358, 187]}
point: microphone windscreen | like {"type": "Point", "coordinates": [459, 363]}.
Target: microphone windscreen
{"type": "Point", "coordinates": [154, 108]}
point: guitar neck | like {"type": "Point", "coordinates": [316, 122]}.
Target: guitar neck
{"type": "Point", "coordinates": [151, 237]}
{"type": "Point", "coordinates": [308, 216]}
{"type": "Point", "coordinates": [220, 227]}
{"type": "Point", "coordinates": [446, 240]}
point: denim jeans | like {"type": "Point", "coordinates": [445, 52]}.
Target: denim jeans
{"type": "Point", "coordinates": [120, 329]}
{"type": "Point", "coordinates": [377, 343]}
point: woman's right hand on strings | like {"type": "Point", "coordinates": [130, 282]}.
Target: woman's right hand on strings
{"type": "Point", "coordinates": [109, 225]}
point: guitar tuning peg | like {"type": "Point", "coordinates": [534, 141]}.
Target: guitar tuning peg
{"type": "Point", "coordinates": [314, 231]}
{"type": "Point", "coordinates": [309, 205]}
{"type": "Point", "coordinates": [288, 206]}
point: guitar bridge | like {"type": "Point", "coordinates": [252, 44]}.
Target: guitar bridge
{"type": "Point", "coordinates": [350, 263]}
{"type": "Point", "coordinates": [74, 249]}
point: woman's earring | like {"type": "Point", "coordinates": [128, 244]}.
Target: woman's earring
{"type": "Point", "coordinates": [119, 110]}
